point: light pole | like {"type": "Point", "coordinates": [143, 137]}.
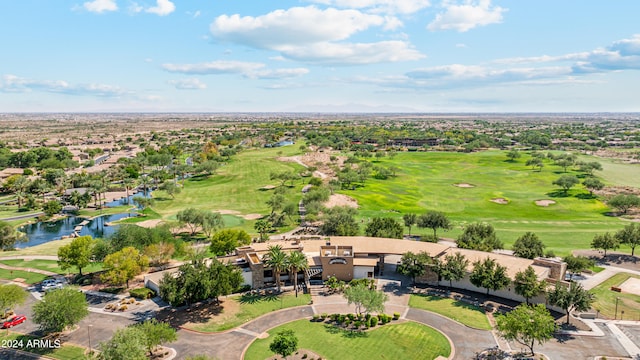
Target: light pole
{"type": "Point", "coordinates": [616, 315]}
{"type": "Point", "coordinates": [89, 334]}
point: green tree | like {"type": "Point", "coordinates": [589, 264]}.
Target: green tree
{"type": "Point", "coordinates": [573, 298]}
{"type": "Point", "coordinates": [59, 309]}
{"type": "Point", "coordinates": [11, 295]}
{"type": "Point", "coordinates": [564, 163]}
{"type": "Point", "coordinates": [453, 268]}
{"type": "Point", "coordinates": [365, 298]}
{"type": "Point", "coordinates": [592, 184]}
{"type": "Point", "coordinates": [52, 207]}
{"type": "Point", "coordinates": [409, 220]}
{"type": "Point", "coordinates": [590, 167]}
{"type": "Point", "coordinates": [605, 242]}
{"type": "Point", "coordinates": [211, 221]}
{"type": "Point", "coordinates": [155, 333]}
{"type": "Point", "coordinates": [478, 236]}
{"type": "Point", "coordinates": [489, 274]}
{"type": "Point", "coordinates": [630, 236]}
{"type": "Point", "coordinates": [276, 259]}
{"type": "Point", "coordinates": [434, 220]}
{"type": "Point", "coordinates": [284, 343]}
{"type": "Point", "coordinates": [262, 227]}
{"type": "Point", "coordinates": [527, 284]}
{"type": "Point", "coordinates": [577, 264]}
{"type": "Point", "coordinates": [159, 254]}
{"type": "Point", "coordinates": [527, 325]}
{"type": "Point", "coordinates": [535, 162]}
{"type": "Point", "coordinates": [296, 261]}
{"type": "Point", "coordinates": [528, 246]}
{"type": "Point", "coordinates": [9, 236]}
{"type": "Point", "coordinates": [414, 265]}
{"type": "Point", "coordinates": [192, 217]}
{"type": "Point", "coordinates": [127, 343]}
{"type": "Point", "coordinates": [123, 265]}
{"type": "Point", "coordinates": [566, 182]}
{"type": "Point", "coordinates": [340, 221]}
{"type": "Point", "coordinates": [513, 154]}
{"type": "Point", "coordinates": [624, 202]}
{"type": "Point", "coordinates": [226, 240]}
{"type": "Point", "coordinates": [143, 202]}
{"type": "Point", "coordinates": [78, 253]}
{"type": "Point", "coordinates": [384, 228]}
{"type": "Point", "coordinates": [170, 188]}
{"type": "Point", "coordinates": [276, 202]}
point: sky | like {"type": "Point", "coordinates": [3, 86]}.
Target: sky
{"type": "Point", "coordinates": [319, 56]}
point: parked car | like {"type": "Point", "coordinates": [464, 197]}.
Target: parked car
{"type": "Point", "coordinates": [13, 321]}
{"type": "Point", "coordinates": [51, 284]}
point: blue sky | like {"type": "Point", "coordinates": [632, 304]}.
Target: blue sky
{"type": "Point", "coordinates": [319, 55]}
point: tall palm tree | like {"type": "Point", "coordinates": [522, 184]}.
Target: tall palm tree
{"type": "Point", "coordinates": [296, 261]}
{"type": "Point", "coordinates": [277, 261]}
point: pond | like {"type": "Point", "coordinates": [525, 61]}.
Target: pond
{"type": "Point", "coordinates": [127, 200]}
{"type": "Point", "coordinates": [42, 232]}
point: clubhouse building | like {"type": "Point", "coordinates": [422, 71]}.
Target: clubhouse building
{"type": "Point", "coordinates": [355, 257]}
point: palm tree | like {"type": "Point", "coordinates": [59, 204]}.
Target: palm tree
{"type": "Point", "coordinates": [277, 260]}
{"type": "Point", "coordinates": [20, 186]}
{"type": "Point", "coordinates": [128, 184]}
{"type": "Point", "coordinates": [295, 262]}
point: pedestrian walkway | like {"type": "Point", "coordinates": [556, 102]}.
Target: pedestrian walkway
{"type": "Point", "coordinates": [37, 271]}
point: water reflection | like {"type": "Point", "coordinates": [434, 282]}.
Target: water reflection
{"type": "Point", "coordinates": [42, 232]}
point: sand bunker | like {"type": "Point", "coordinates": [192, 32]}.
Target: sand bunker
{"type": "Point", "coordinates": [545, 202]}
{"type": "Point", "coordinates": [149, 223]}
{"type": "Point", "coordinates": [631, 286]}
{"type": "Point", "coordinates": [252, 216]}
{"type": "Point", "coordinates": [501, 201]}
{"type": "Point", "coordinates": [464, 185]}
{"type": "Point", "coordinates": [227, 212]}
{"type": "Point", "coordinates": [341, 200]}
{"type": "Point", "coordinates": [268, 187]}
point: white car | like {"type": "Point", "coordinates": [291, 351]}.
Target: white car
{"type": "Point", "coordinates": [51, 284]}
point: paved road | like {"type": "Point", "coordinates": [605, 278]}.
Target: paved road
{"type": "Point", "coordinates": [20, 217]}
{"type": "Point", "coordinates": [466, 340]}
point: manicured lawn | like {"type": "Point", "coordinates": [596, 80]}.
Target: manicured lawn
{"type": "Point", "coordinates": [64, 352]}
{"type": "Point", "coordinates": [29, 277]}
{"type": "Point", "coordinates": [606, 298]}
{"type": "Point", "coordinates": [426, 181]}
{"type": "Point", "coordinates": [50, 265]}
{"type": "Point", "coordinates": [48, 248]}
{"type": "Point", "coordinates": [148, 213]}
{"type": "Point", "coordinates": [251, 307]}
{"type": "Point", "coordinates": [392, 341]}
{"type": "Point", "coordinates": [236, 186]}
{"type": "Point", "coordinates": [459, 311]}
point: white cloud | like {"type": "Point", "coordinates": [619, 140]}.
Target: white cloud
{"type": "Point", "coordinates": [13, 83]}
{"type": "Point", "coordinates": [315, 35]}
{"type": "Point", "coordinates": [467, 15]}
{"type": "Point", "coordinates": [135, 8]}
{"type": "Point", "coordinates": [188, 84]}
{"type": "Point", "coordinates": [292, 27]}
{"type": "Point", "coordinates": [354, 53]}
{"type": "Point", "coordinates": [162, 8]}
{"type": "Point", "coordinates": [100, 6]}
{"type": "Point", "coordinates": [214, 67]}
{"type": "Point", "coordinates": [247, 69]}
{"type": "Point", "coordinates": [381, 6]}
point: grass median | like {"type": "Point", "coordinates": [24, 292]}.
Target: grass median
{"type": "Point", "coordinates": [457, 310]}
{"type": "Point", "coordinates": [407, 340]}
{"type": "Point", "coordinates": [238, 310]}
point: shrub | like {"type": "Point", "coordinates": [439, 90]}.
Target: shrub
{"type": "Point", "coordinates": [333, 317]}
{"type": "Point", "coordinates": [373, 321]}
{"type": "Point", "coordinates": [242, 288]}
{"type": "Point", "coordinates": [396, 316]}
{"type": "Point", "coordinates": [141, 293]}
{"type": "Point", "coordinates": [316, 317]}
{"type": "Point", "coordinates": [351, 316]}
{"type": "Point", "coordinates": [357, 324]}
{"type": "Point", "coordinates": [367, 317]}
{"type": "Point", "coordinates": [123, 308]}
{"type": "Point", "coordinates": [347, 322]}
{"type": "Point", "coordinates": [341, 319]}
{"type": "Point", "coordinates": [323, 316]}
{"type": "Point", "coordinates": [304, 356]}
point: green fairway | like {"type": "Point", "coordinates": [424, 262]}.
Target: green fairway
{"type": "Point", "coordinates": [399, 341]}
{"type": "Point", "coordinates": [459, 311]}
{"type": "Point", "coordinates": [606, 299]}
{"type": "Point", "coordinates": [50, 265]}
{"type": "Point", "coordinates": [28, 277]}
{"type": "Point", "coordinates": [426, 181]}
{"type": "Point", "coordinates": [249, 307]}
{"type": "Point", "coordinates": [236, 187]}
